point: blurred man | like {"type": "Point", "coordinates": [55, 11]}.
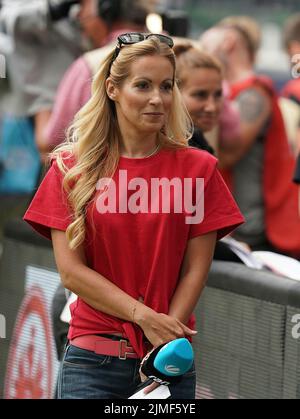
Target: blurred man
{"type": "Point", "coordinates": [101, 21]}
{"type": "Point", "coordinates": [259, 166]}
{"type": "Point", "coordinates": [43, 45]}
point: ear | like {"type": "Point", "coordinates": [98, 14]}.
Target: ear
{"type": "Point", "coordinates": [230, 42]}
{"type": "Point", "coordinates": [111, 89]}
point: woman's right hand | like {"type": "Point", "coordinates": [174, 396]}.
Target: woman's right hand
{"type": "Point", "coordinates": [160, 328]}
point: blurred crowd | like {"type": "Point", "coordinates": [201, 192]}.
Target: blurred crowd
{"type": "Point", "coordinates": [52, 50]}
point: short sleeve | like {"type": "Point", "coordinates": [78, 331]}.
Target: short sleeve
{"type": "Point", "coordinates": [297, 173]}
{"type": "Point", "coordinates": [49, 208]}
{"type": "Point", "coordinates": [221, 212]}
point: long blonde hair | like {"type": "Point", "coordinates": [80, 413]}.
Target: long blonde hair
{"type": "Point", "coordinates": [94, 137]}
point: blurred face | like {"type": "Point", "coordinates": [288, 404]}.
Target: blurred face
{"type": "Point", "coordinates": [214, 41]}
{"type": "Point", "coordinates": [144, 100]}
{"type": "Point", "coordinates": [294, 48]}
{"type": "Point", "coordinates": [203, 97]}
{"type": "Point", "coordinates": [92, 26]}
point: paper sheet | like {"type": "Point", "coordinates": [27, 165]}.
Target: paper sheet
{"type": "Point", "coordinates": [66, 313]}
{"type": "Point", "coordinates": [280, 264]}
{"type": "Point", "coordinates": [161, 392]}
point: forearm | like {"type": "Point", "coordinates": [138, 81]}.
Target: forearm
{"type": "Point", "coordinates": [101, 294]}
{"type": "Point", "coordinates": [186, 297]}
{"type": "Point", "coordinates": [193, 276]}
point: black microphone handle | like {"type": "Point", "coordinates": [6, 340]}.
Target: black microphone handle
{"type": "Point", "coordinates": [144, 384]}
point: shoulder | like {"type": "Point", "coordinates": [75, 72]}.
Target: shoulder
{"type": "Point", "coordinates": [99, 52]}
{"type": "Point", "coordinates": [195, 154]}
{"type": "Point", "coordinates": [254, 90]}
{"type": "Point", "coordinates": [254, 103]}
{"type": "Point", "coordinates": [196, 161]}
{"type": "Point", "coordinates": [93, 59]}
{"type": "Point", "coordinates": [63, 161]}
{"type": "Point", "coordinates": [199, 141]}
{"type": "Point", "coordinates": [292, 90]}
{"type": "Point", "coordinates": [78, 70]}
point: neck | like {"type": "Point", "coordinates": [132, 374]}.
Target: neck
{"type": "Point", "coordinates": [239, 69]}
{"type": "Point", "coordinates": [138, 145]}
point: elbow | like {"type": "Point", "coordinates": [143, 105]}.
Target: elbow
{"type": "Point", "coordinates": [67, 279]}
{"type": "Point", "coordinates": [71, 275]}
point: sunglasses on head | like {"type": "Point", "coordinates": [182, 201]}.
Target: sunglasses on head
{"type": "Point", "coordinates": [135, 37]}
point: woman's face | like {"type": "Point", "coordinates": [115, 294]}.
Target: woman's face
{"type": "Point", "coordinates": [203, 97]}
{"type": "Point", "coordinates": [144, 100]}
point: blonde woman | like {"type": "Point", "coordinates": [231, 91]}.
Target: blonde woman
{"type": "Point", "coordinates": [124, 242]}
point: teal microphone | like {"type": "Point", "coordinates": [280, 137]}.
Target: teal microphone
{"type": "Point", "coordinates": [167, 363]}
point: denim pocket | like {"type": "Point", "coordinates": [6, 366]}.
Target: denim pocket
{"type": "Point", "coordinates": [81, 358]}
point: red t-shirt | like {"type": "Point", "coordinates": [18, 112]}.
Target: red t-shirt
{"type": "Point", "coordinates": [139, 252]}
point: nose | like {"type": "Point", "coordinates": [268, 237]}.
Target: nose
{"type": "Point", "coordinates": [211, 105]}
{"type": "Point", "coordinates": [156, 98]}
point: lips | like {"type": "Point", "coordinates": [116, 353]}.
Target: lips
{"type": "Point", "coordinates": [154, 113]}
{"type": "Point", "coordinates": [206, 116]}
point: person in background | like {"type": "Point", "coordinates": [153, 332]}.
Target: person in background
{"type": "Point", "coordinates": [291, 40]}
{"type": "Point", "coordinates": [225, 126]}
{"type": "Point", "coordinates": [200, 77]}
{"type": "Point", "coordinates": [291, 91]}
{"type": "Point", "coordinates": [200, 81]}
{"type": "Point", "coordinates": [44, 43]}
{"type": "Point", "coordinates": [135, 122]}
{"type": "Point", "coordinates": [258, 168]}
{"type": "Point", "coordinates": [101, 21]}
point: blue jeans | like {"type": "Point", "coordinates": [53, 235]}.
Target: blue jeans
{"type": "Point", "coordinates": [86, 375]}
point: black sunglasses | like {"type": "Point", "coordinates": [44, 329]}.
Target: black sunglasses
{"type": "Point", "coordinates": [135, 37]}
